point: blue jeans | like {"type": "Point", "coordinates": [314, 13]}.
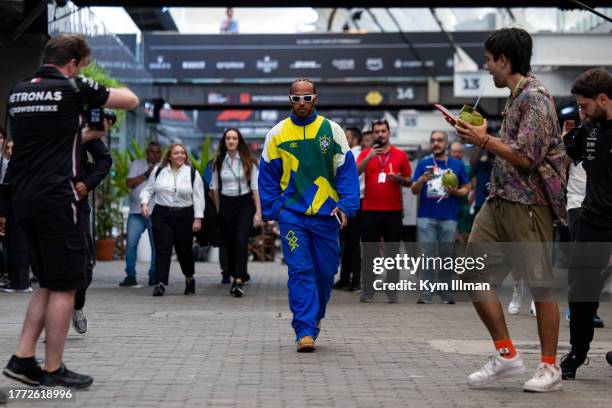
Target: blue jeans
{"type": "Point", "coordinates": [136, 225]}
{"type": "Point", "coordinates": [430, 232]}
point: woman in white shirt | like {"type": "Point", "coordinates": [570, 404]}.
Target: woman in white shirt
{"type": "Point", "coordinates": [178, 193]}
{"type": "Point", "coordinates": [234, 189]}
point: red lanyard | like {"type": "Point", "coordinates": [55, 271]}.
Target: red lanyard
{"type": "Point", "coordinates": [383, 164]}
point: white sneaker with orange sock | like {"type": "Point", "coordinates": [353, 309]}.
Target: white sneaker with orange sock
{"type": "Point", "coordinates": [496, 368]}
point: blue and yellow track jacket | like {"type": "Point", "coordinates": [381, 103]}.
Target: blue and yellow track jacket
{"type": "Point", "coordinates": [307, 167]}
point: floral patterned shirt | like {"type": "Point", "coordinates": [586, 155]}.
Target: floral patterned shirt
{"type": "Point", "coordinates": [530, 127]}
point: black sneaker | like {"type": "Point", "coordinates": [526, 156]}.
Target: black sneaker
{"type": "Point", "coordinates": [11, 289]}
{"type": "Point", "coordinates": [570, 363]}
{"type": "Point", "coordinates": [152, 281]}
{"type": "Point", "coordinates": [424, 299]}
{"type": "Point", "coordinates": [63, 377]}
{"type": "Point", "coordinates": [598, 322]}
{"type": "Point", "coordinates": [159, 290]}
{"type": "Point", "coordinates": [190, 287]}
{"type": "Point", "coordinates": [129, 282]}
{"type": "Point", "coordinates": [225, 278]}
{"type": "Point", "coordinates": [354, 287]}
{"type": "Point", "coordinates": [25, 370]}
{"type": "Point", "coordinates": [340, 285]}
{"type": "Point", "coordinates": [447, 299]}
{"type": "Point", "coordinates": [237, 290]}
{"type": "Point", "coordinates": [4, 280]}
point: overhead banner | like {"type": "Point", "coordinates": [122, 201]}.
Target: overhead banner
{"type": "Point", "coordinates": [327, 57]}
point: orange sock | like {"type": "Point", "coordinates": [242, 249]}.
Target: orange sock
{"type": "Point", "coordinates": [505, 348]}
{"type": "Point", "coordinates": [552, 360]}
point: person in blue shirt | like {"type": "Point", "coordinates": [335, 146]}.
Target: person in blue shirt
{"type": "Point", "coordinates": [438, 212]}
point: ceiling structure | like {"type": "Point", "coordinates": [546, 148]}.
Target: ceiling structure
{"type": "Point", "coordinates": [340, 3]}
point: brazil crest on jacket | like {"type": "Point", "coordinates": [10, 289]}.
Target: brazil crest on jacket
{"type": "Point", "coordinates": [307, 167]}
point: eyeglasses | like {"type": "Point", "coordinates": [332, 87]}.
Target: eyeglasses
{"type": "Point", "coordinates": [305, 98]}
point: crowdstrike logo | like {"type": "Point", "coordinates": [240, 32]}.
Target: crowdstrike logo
{"type": "Point", "coordinates": [160, 64]}
{"type": "Point", "coordinates": [374, 64]}
{"type": "Point", "coordinates": [305, 65]}
{"type": "Point", "coordinates": [344, 64]}
{"type": "Point", "coordinates": [267, 65]}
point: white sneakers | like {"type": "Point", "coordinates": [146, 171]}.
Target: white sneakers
{"type": "Point", "coordinates": [514, 307]}
{"type": "Point", "coordinates": [547, 377]}
{"type": "Point", "coordinates": [497, 368]}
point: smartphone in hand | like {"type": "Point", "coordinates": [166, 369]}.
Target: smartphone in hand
{"type": "Point", "coordinates": [448, 116]}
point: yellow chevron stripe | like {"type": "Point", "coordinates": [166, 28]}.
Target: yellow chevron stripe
{"type": "Point", "coordinates": [290, 163]}
{"type": "Point", "coordinates": [323, 193]}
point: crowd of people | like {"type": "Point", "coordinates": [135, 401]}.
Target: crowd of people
{"type": "Point", "coordinates": [338, 198]}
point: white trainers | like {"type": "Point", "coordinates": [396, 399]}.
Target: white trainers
{"type": "Point", "coordinates": [514, 307]}
{"type": "Point", "coordinates": [497, 368]}
{"type": "Point", "coordinates": [532, 310]}
{"type": "Point", "coordinates": [547, 378]}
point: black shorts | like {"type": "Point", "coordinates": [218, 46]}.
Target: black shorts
{"type": "Point", "coordinates": [58, 248]}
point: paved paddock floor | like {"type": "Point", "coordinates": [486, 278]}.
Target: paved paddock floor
{"type": "Point", "coordinates": [214, 350]}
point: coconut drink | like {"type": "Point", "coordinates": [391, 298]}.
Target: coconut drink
{"type": "Point", "coordinates": [470, 115]}
{"type": "Point", "coordinates": [450, 180]}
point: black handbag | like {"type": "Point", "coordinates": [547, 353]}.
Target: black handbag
{"type": "Point", "coordinates": [211, 232]}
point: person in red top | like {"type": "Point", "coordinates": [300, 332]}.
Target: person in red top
{"type": "Point", "coordinates": [387, 170]}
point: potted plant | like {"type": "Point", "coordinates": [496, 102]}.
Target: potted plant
{"type": "Point", "coordinates": [108, 220]}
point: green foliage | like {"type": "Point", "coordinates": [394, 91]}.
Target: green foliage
{"type": "Point", "coordinates": [200, 165]}
{"type": "Point", "coordinates": [139, 153]}
{"type": "Point", "coordinates": [108, 212]}
{"type": "Point", "coordinates": [121, 161]}
{"type": "Point", "coordinates": [101, 76]}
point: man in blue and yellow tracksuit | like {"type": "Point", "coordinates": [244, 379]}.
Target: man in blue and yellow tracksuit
{"type": "Point", "coordinates": [308, 182]}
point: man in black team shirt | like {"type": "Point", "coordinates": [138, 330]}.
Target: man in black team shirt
{"type": "Point", "coordinates": [591, 145]}
{"type": "Point", "coordinates": [44, 117]}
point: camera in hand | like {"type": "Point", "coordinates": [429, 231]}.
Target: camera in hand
{"type": "Point", "coordinates": [377, 143]}
{"type": "Point", "coordinates": [95, 117]}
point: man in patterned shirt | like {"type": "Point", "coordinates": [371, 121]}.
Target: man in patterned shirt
{"type": "Point", "coordinates": [526, 196]}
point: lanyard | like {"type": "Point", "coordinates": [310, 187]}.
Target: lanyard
{"type": "Point", "coordinates": [383, 164]}
{"type": "Point", "coordinates": [237, 177]}
{"type": "Point", "coordinates": [512, 97]}
{"type": "Point", "coordinates": [435, 164]}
